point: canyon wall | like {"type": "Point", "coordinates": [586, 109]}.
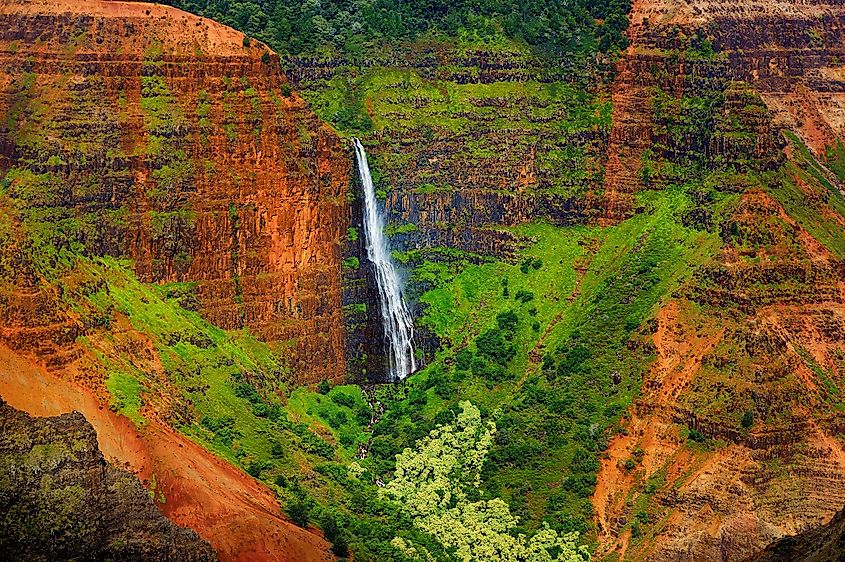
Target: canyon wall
{"type": "Point", "coordinates": [736, 439]}
{"type": "Point", "coordinates": [158, 172]}
{"type": "Point", "coordinates": [466, 143]}
{"type": "Point", "coordinates": [789, 52]}
{"type": "Point", "coordinates": [142, 132]}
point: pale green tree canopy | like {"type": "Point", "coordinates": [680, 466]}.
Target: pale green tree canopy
{"type": "Point", "coordinates": [430, 483]}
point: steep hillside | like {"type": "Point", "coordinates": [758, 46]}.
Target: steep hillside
{"type": "Point", "coordinates": [789, 51]}
{"type": "Point", "coordinates": [238, 516]}
{"type": "Point", "coordinates": [736, 438]}
{"type": "Point", "coordinates": [61, 500]}
{"type": "Point", "coordinates": [822, 544]}
{"type": "Point", "coordinates": [172, 220]}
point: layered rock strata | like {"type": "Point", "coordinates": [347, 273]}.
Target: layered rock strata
{"type": "Point", "coordinates": [173, 141]}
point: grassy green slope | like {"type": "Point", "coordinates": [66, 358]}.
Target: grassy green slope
{"type": "Point", "coordinates": [229, 392]}
{"type": "Point", "coordinates": [580, 296]}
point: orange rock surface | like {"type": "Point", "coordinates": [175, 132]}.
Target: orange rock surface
{"type": "Point", "coordinates": [219, 173]}
{"type": "Point", "coordinates": [237, 515]}
{"type": "Point", "coordinates": [186, 144]}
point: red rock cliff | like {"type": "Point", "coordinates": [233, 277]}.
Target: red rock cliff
{"type": "Point", "coordinates": [184, 149]}
{"type": "Point", "coordinates": [790, 52]}
{"type": "Point", "coordinates": [749, 351]}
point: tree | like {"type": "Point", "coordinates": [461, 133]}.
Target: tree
{"type": "Point", "coordinates": [431, 483]}
{"type": "Point", "coordinates": [491, 344]}
{"type": "Point", "coordinates": [507, 320]}
{"type": "Point", "coordinates": [299, 509]}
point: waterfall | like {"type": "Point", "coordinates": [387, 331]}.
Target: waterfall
{"type": "Point", "coordinates": [398, 326]}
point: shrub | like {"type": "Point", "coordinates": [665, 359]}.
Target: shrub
{"type": "Point", "coordinates": [582, 485]}
{"type": "Point", "coordinates": [277, 451]}
{"type": "Point", "coordinates": [524, 296]}
{"type": "Point", "coordinates": [255, 468]}
{"type": "Point", "coordinates": [507, 321]}
{"type": "Point", "coordinates": [260, 410]}
{"type": "Point", "coordinates": [635, 530]}
{"type": "Point", "coordinates": [299, 509]}
{"type": "Point", "coordinates": [463, 359]}
{"type": "Point", "coordinates": [487, 370]}
{"type": "Point", "coordinates": [340, 546]}
{"type": "Point", "coordinates": [337, 419]}
{"type": "Point", "coordinates": [247, 391]}
{"type": "Point", "coordinates": [331, 523]}
{"type": "Point", "coordinates": [417, 397]}
{"type": "Point", "coordinates": [491, 344]}
{"type": "Point", "coordinates": [747, 419]}
{"type": "Point", "coordinates": [363, 415]}
{"type": "Point", "coordinates": [342, 399]}
{"type": "Point", "coordinates": [323, 387]}
{"type": "Point", "coordinates": [246, 41]}
{"type": "Point", "coordinates": [697, 436]}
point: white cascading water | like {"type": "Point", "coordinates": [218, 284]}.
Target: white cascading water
{"type": "Point", "coordinates": [398, 326]}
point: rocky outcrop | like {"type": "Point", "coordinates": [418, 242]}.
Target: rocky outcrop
{"type": "Point", "coordinates": [143, 132]}
{"type": "Point", "coordinates": [61, 500]}
{"type": "Point", "coordinates": [823, 544]}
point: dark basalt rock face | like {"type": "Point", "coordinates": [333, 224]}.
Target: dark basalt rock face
{"type": "Point", "coordinates": [61, 500]}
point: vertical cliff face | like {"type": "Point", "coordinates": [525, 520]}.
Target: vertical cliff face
{"type": "Point", "coordinates": [468, 141]}
{"type": "Point", "coordinates": [790, 53]}
{"type": "Point", "coordinates": [735, 440]}
{"type": "Point", "coordinates": [142, 132]}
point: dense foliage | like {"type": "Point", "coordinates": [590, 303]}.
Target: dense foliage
{"type": "Point", "coordinates": [350, 26]}
{"type": "Point", "coordinates": [435, 484]}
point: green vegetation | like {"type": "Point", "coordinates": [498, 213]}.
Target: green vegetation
{"type": "Point", "coordinates": [229, 392]}
{"type": "Point", "coordinates": [804, 173]}
{"type": "Point", "coordinates": [560, 389]}
{"type": "Point", "coordinates": [397, 104]}
{"type": "Point", "coordinates": [126, 390]}
{"type": "Point", "coordinates": [434, 484]}
{"type": "Point", "coordinates": [558, 27]}
{"type": "Point", "coordinates": [491, 452]}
